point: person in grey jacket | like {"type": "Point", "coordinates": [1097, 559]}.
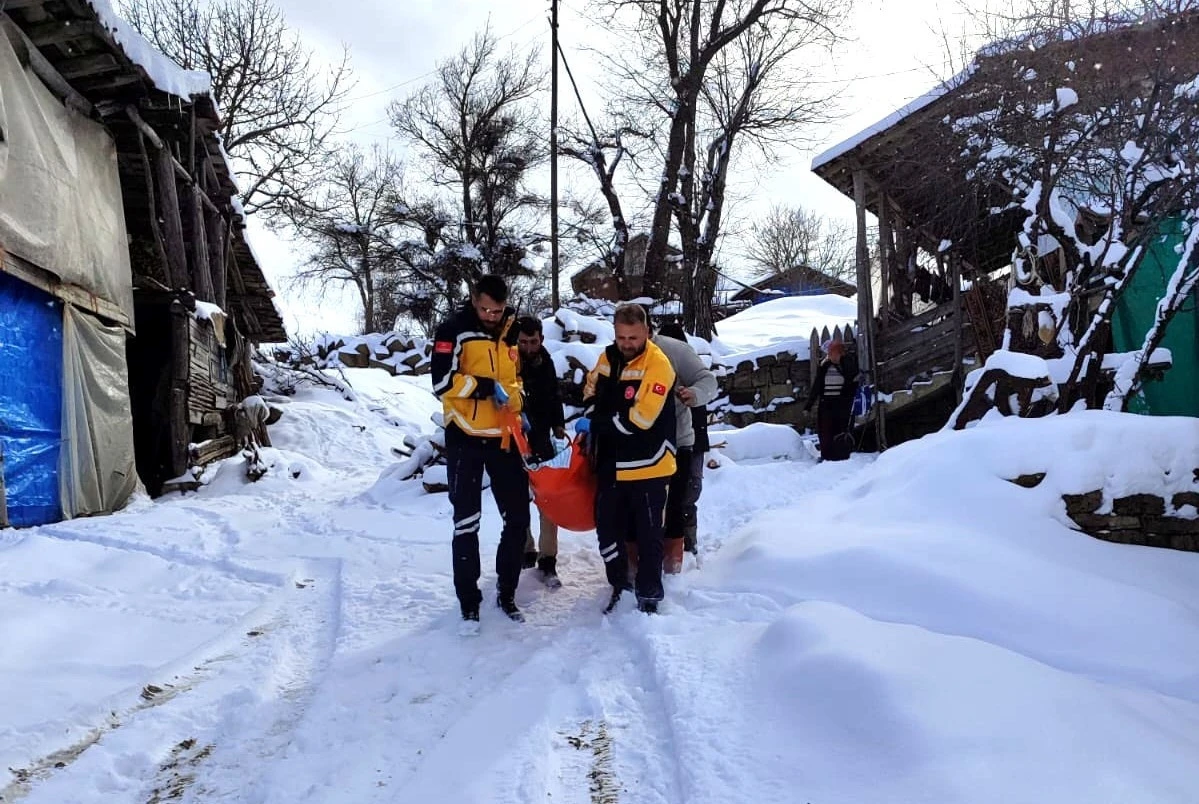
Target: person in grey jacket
{"type": "Point", "coordinates": [696, 388]}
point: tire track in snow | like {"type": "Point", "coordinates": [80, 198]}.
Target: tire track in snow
{"type": "Point", "coordinates": [194, 695]}
{"type": "Point", "coordinates": [254, 724]}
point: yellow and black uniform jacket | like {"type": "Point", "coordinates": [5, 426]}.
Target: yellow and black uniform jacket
{"type": "Point", "coordinates": [631, 407]}
{"type": "Point", "coordinates": [467, 364]}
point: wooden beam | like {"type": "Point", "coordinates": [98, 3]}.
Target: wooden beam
{"type": "Point", "coordinates": [42, 279]}
{"type": "Point", "coordinates": [107, 83]}
{"type": "Point", "coordinates": [31, 57]}
{"type": "Point", "coordinates": [172, 221]}
{"type": "Point", "coordinates": [83, 66]}
{"type": "Point", "coordinates": [12, 5]}
{"type": "Point", "coordinates": [143, 127]}
{"type": "Point", "coordinates": [56, 33]}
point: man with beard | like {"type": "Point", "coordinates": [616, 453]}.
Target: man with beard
{"type": "Point", "coordinates": [543, 410]}
{"type": "Point", "coordinates": [475, 370]}
{"type": "Point", "coordinates": [630, 422]}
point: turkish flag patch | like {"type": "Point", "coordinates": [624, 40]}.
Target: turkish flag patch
{"type": "Point", "coordinates": [629, 392]}
{"type": "Point", "coordinates": [443, 347]}
{"type": "Point", "coordinates": [659, 389]}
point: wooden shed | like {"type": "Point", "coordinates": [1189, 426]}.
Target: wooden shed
{"type": "Point", "coordinates": [200, 301]}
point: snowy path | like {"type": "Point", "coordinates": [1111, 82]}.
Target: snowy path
{"type": "Point", "coordinates": [348, 680]}
{"type": "Point", "coordinates": [297, 641]}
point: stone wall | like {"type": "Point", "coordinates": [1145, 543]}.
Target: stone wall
{"type": "Point", "coordinates": [770, 388]}
{"type": "Point", "coordinates": [1137, 519]}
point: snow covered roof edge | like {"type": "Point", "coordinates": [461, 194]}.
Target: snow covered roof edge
{"type": "Point", "coordinates": [166, 74]}
{"type": "Point", "coordinates": [841, 148]}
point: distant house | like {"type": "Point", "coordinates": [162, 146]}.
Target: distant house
{"type": "Point", "coordinates": [131, 299]}
{"type": "Point", "coordinates": [596, 280]}
{"type": "Point", "coordinates": [798, 281]}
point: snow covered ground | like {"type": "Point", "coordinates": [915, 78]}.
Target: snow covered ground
{"type": "Point", "coordinates": [908, 629]}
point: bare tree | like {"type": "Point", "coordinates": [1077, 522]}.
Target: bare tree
{"type": "Point", "coordinates": [603, 155]}
{"type": "Point", "coordinates": [476, 125]}
{"type": "Point", "coordinates": [351, 225]}
{"type": "Point", "coordinates": [679, 40]}
{"type": "Point", "coordinates": [279, 110]}
{"type": "Point", "coordinates": [791, 237]}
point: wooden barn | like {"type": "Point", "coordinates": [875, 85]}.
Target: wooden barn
{"type": "Point", "coordinates": [135, 244]}
{"type": "Point", "coordinates": [947, 239]}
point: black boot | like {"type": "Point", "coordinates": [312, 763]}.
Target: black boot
{"type": "Point", "coordinates": [530, 559]}
{"type": "Point", "coordinates": [549, 571]}
{"type": "Point", "coordinates": [508, 606]}
{"type": "Point", "coordinates": [611, 607]}
{"type": "Point", "coordinates": [690, 542]}
{"type": "Point", "coordinates": [647, 606]}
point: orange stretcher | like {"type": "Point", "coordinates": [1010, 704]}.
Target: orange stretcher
{"type": "Point", "coordinates": [564, 494]}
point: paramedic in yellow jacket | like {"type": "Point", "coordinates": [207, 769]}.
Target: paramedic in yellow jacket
{"type": "Point", "coordinates": [475, 370]}
{"type": "Point", "coordinates": [630, 422]}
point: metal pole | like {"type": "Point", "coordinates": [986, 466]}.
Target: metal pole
{"type": "Point", "coordinates": [555, 298]}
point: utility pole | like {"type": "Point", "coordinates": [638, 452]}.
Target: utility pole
{"type": "Point", "coordinates": [555, 298]}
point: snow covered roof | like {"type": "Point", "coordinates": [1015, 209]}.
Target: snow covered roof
{"type": "Point", "coordinates": [890, 120]}
{"type": "Point", "coordinates": [164, 73]}
{"type": "Point", "coordinates": [95, 61]}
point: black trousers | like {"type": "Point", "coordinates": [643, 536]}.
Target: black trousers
{"type": "Point", "coordinates": [676, 501]}
{"type": "Point", "coordinates": [832, 424]}
{"type": "Point", "coordinates": [466, 459]}
{"type": "Point", "coordinates": [634, 510]}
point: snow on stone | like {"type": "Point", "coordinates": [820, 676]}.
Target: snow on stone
{"type": "Point", "coordinates": [760, 442]}
{"type": "Point", "coordinates": [1016, 364]}
{"type": "Point", "coordinates": [166, 75]}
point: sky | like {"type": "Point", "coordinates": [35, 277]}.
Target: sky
{"type": "Point", "coordinates": [893, 53]}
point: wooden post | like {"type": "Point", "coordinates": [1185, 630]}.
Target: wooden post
{"type": "Point", "coordinates": [884, 260]}
{"type": "Point", "coordinates": [155, 228]}
{"type": "Point", "coordinates": [814, 356]}
{"type": "Point", "coordinates": [201, 272]}
{"type": "Point", "coordinates": [955, 276]}
{"type": "Point", "coordinates": [180, 427]}
{"type": "Point", "coordinates": [865, 300]}
{"type": "Point", "coordinates": [216, 256]}
{"type": "Point", "coordinates": [172, 221]}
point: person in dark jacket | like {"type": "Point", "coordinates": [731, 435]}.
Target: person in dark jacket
{"type": "Point", "coordinates": [543, 410]}
{"type": "Point", "coordinates": [835, 387]}
{"type": "Point", "coordinates": [475, 372]}
{"type": "Point", "coordinates": [699, 457]}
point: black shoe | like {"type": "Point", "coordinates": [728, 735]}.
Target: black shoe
{"type": "Point", "coordinates": [508, 606]}
{"type": "Point", "coordinates": [470, 615]}
{"type": "Point", "coordinates": [689, 542]}
{"type": "Point", "coordinates": [647, 606]}
{"type": "Point", "coordinates": [611, 607]}
{"type": "Point", "coordinates": [549, 571]}
{"type": "Point", "coordinates": [530, 560]}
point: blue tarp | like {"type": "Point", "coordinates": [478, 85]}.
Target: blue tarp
{"type": "Point", "coordinates": [30, 401]}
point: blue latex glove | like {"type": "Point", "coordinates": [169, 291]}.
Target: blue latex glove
{"type": "Point", "coordinates": [524, 423]}
{"type": "Point", "coordinates": [501, 396]}
{"type": "Point", "coordinates": [583, 426]}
